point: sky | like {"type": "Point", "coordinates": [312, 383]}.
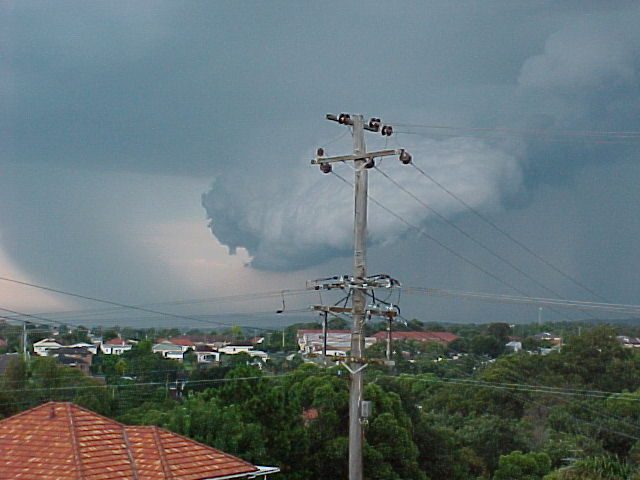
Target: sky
{"type": "Point", "coordinates": [160, 151]}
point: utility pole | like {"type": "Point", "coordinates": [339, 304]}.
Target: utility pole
{"type": "Point", "coordinates": [24, 341]}
{"type": "Point", "coordinates": [359, 283]}
{"type": "Point", "coordinates": [389, 339]}
{"type": "Point", "coordinates": [358, 301]}
{"type": "Point", "coordinates": [324, 336]}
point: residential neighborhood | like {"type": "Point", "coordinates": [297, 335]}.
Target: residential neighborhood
{"type": "Point", "coordinates": [322, 240]}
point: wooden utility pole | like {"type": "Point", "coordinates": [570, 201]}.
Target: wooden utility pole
{"type": "Point", "coordinates": [358, 300]}
{"type": "Point", "coordinates": [359, 283]}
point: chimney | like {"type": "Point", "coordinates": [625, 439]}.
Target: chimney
{"type": "Point", "coordinates": [52, 411]}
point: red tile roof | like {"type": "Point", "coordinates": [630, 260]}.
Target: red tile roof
{"type": "Point", "coordinates": [116, 341]}
{"type": "Point", "coordinates": [61, 441]}
{"type": "Point", "coordinates": [182, 341]}
{"type": "Point", "coordinates": [441, 337]}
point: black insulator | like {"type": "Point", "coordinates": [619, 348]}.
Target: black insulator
{"type": "Point", "coordinates": [320, 152]}
{"type": "Point", "coordinates": [341, 118]}
{"type": "Point", "coordinates": [389, 130]}
{"type": "Point", "coordinates": [384, 130]}
{"type": "Point", "coordinates": [325, 167]}
{"type": "Point", "coordinates": [370, 163]}
{"type": "Point", "coordinates": [405, 157]}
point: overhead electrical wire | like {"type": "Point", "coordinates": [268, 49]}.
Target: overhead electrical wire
{"type": "Point", "coordinates": [585, 136]}
{"type": "Point", "coordinates": [117, 304]}
{"type": "Point", "coordinates": [84, 313]}
{"type": "Point", "coordinates": [506, 234]}
{"type": "Point", "coordinates": [468, 235]}
{"type": "Point", "coordinates": [453, 252]}
{"type": "Point", "coordinates": [626, 309]}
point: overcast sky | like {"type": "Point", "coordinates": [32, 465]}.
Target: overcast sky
{"type": "Point", "coordinates": [159, 151]}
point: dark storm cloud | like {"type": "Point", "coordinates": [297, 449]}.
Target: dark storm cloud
{"type": "Point", "coordinates": [585, 76]}
{"type": "Point", "coordinates": [236, 92]}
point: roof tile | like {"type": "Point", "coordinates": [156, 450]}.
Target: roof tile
{"type": "Point", "coordinates": [57, 441]}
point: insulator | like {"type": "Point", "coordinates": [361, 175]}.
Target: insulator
{"type": "Point", "coordinates": [384, 130]}
{"type": "Point", "coordinates": [341, 118]}
{"type": "Point", "coordinates": [320, 152]}
{"type": "Point", "coordinates": [325, 167]}
{"type": "Point", "coordinates": [370, 163]}
{"type": "Point", "coordinates": [389, 130]}
{"type": "Point", "coordinates": [405, 157]}
{"type": "Point", "coordinates": [374, 123]}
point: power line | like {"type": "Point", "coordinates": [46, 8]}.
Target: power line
{"type": "Point", "coordinates": [538, 301]}
{"type": "Point", "coordinates": [84, 313]}
{"type": "Point", "coordinates": [468, 235]}
{"type": "Point", "coordinates": [545, 133]}
{"type": "Point", "coordinates": [118, 304]}
{"type": "Point", "coordinates": [506, 234]}
{"type": "Point", "coordinates": [453, 252]}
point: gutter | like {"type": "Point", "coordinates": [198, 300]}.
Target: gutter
{"type": "Point", "coordinates": [261, 471]}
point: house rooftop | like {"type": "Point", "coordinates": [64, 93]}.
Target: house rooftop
{"type": "Point", "coordinates": [60, 440]}
{"type": "Point", "coordinates": [182, 341]}
{"type": "Point", "coordinates": [441, 337]}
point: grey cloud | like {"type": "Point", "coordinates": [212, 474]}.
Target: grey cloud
{"type": "Point", "coordinates": [237, 92]}
{"type": "Point", "coordinates": [308, 218]}
{"type": "Point", "coordinates": [589, 55]}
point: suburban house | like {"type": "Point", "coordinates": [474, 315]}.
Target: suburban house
{"type": "Point", "coordinates": [513, 346]}
{"type": "Point", "coordinates": [206, 354]}
{"type": "Point", "coordinates": [45, 345]}
{"type": "Point", "coordinates": [628, 342]}
{"type": "Point", "coordinates": [3, 343]}
{"type": "Point", "coordinates": [75, 357]}
{"type": "Point", "coordinates": [115, 346]}
{"type": "Point", "coordinates": [60, 440]}
{"type": "Point", "coordinates": [311, 342]}
{"type": "Point", "coordinates": [185, 343]}
{"type": "Point", "coordinates": [89, 346]}
{"type": "Point", "coordinates": [547, 337]}
{"type": "Point", "coordinates": [235, 348]}
{"type": "Point", "coordinates": [338, 342]}
{"type": "Point", "coordinates": [443, 338]}
{"type": "Point", "coordinates": [169, 350]}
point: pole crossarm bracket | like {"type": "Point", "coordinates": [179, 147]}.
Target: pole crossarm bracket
{"type": "Point", "coordinates": [357, 370]}
{"type": "Point", "coordinates": [388, 312]}
{"type": "Point", "coordinates": [348, 282]}
{"type": "Point", "coordinates": [353, 157]}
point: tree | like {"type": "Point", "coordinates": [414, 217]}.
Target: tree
{"type": "Point", "coordinates": [596, 468]}
{"type": "Point", "coordinates": [486, 345]}
{"type": "Point", "coordinates": [337, 323]}
{"type": "Point", "coordinates": [522, 466]}
{"type": "Point", "coordinates": [16, 373]}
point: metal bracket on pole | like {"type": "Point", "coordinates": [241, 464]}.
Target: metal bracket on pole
{"type": "Point", "coordinates": [357, 370]}
{"type": "Point", "coordinates": [352, 158]}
